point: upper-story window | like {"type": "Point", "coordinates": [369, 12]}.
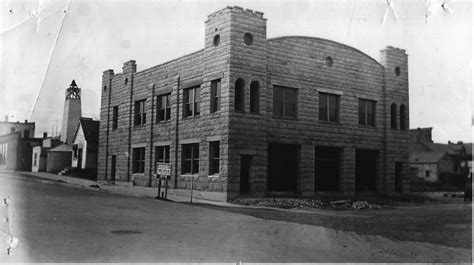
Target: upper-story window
{"type": "Point", "coordinates": [284, 101]}
{"type": "Point", "coordinates": [239, 103]}
{"type": "Point", "coordinates": [367, 112]}
{"type": "Point", "coordinates": [328, 107]}
{"type": "Point", "coordinates": [192, 102]}
{"type": "Point", "coordinates": [26, 134]}
{"type": "Point", "coordinates": [114, 117]}
{"type": "Point", "coordinates": [163, 107]}
{"type": "Point", "coordinates": [403, 125]}
{"type": "Point", "coordinates": [215, 95]}
{"type": "Point", "coordinates": [393, 116]}
{"type": "Point", "coordinates": [254, 96]}
{"type": "Point", "coordinates": [140, 114]}
{"type": "Point", "coordinates": [12, 129]}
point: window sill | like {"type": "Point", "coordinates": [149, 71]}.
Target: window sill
{"type": "Point", "coordinates": [330, 122]}
{"type": "Point", "coordinates": [163, 122]}
{"type": "Point", "coordinates": [189, 175]}
{"type": "Point", "coordinates": [285, 118]}
{"type": "Point", "coordinates": [213, 176]}
{"type": "Point", "coordinates": [191, 117]}
{"type": "Point", "coordinates": [140, 125]}
{"type": "Point", "coordinates": [138, 174]}
{"type": "Point", "coordinates": [368, 126]}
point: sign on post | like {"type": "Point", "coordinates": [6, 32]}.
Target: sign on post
{"type": "Point", "coordinates": [163, 172]}
{"type": "Point", "coordinates": [163, 169]}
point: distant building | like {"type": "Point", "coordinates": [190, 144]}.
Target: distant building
{"type": "Point", "coordinates": [59, 158]}
{"type": "Point", "coordinates": [16, 150]}
{"type": "Point", "coordinates": [26, 129]}
{"type": "Point", "coordinates": [40, 153]}
{"type": "Point", "coordinates": [85, 144]}
{"type": "Point", "coordinates": [434, 162]}
{"type": "Point", "coordinates": [72, 112]}
{"type": "Point", "coordinates": [287, 116]}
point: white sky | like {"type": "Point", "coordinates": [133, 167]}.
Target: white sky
{"type": "Point", "coordinates": [99, 35]}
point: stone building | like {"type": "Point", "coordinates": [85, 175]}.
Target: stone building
{"type": "Point", "coordinates": [287, 116]}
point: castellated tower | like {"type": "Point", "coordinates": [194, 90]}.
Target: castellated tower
{"type": "Point", "coordinates": [72, 112]}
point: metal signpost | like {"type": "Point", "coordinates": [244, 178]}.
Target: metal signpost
{"type": "Point", "coordinates": [163, 173]}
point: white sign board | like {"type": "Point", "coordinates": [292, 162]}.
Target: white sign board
{"type": "Point", "coordinates": [163, 169]}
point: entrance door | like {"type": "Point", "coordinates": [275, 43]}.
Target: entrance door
{"type": "Point", "coordinates": [282, 167]}
{"type": "Point", "coordinates": [326, 169]}
{"type": "Point", "coordinates": [366, 169]}
{"type": "Point", "coordinates": [79, 158]}
{"type": "Point", "coordinates": [245, 165]}
{"type": "Point", "coordinates": [398, 177]}
{"type": "Point", "coordinates": [112, 169]}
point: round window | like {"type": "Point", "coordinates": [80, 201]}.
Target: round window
{"type": "Point", "coordinates": [397, 71]}
{"type": "Point", "coordinates": [248, 38]}
{"type": "Point", "coordinates": [217, 40]}
{"type": "Point", "coordinates": [329, 61]}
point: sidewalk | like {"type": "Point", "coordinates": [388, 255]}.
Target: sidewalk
{"type": "Point", "coordinates": [134, 191]}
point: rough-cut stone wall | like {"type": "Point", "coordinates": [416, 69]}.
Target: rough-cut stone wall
{"type": "Point", "coordinates": [295, 62]}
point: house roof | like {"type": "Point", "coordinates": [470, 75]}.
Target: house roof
{"type": "Point", "coordinates": [90, 129]}
{"type": "Point", "coordinates": [426, 157]}
{"type": "Point", "coordinates": [62, 148]}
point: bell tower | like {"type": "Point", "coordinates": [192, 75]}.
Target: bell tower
{"type": "Point", "coordinates": [72, 112]}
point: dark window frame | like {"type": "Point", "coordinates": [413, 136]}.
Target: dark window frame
{"type": "Point", "coordinates": [255, 97]}
{"type": "Point", "coordinates": [365, 117]}
{"type": "Point", "coordinates": [162, 154]}
{"type": "Point", "coordinates": [138, 160]}
{"type": "Point", "coordinates": [403, 125]}
{"type": "Point", "coordinates": [239, 95]}
{"type": "Point", "coordinates": [326, 100]}
{"type": "Point", "coordinates": [216, 87]}
{"type": "Point", "coordinates": [140, 113]}
{"type": "Point", "coordinates": [192, 101]}
{"type": "Point", "coordinates": [214, 157]}
{"type": "Point", "coordinates": [190, 158]}
{"type": "Point", "coordinates": [282, 98]}
{"type": "Point", "coordinates": [393, 116]}
{"type": "Point", "coordinates": [163, 113]}
{"type": "Point", "coordinates": [114, 117]}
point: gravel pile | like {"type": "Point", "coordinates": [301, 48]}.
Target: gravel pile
{"type": "Point", "coordinates": [289, 203]}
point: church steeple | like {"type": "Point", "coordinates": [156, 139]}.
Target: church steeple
{"type": "Point", "coordinates": [72, 112]}
{"type": "Point", "coordinates": [73, 91]}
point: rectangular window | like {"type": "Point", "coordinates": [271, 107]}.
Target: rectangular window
{"type": "Point", "coordinates": [163, 108]}
{"type": "Point", "coordinates": [192, 102]}
{"type": "Point", "coordinates": [215, 95]}
{"type": "Point", "coordinates": [254, 96]}
{"type": "Point", "coordinates": [328, 107]}
{"type": "Point", "coordinates": [367, 112]}
{"type": "Point", "coordinates": [138, 160]}
{"type": "Point", "coordinates": [190, 159]}
{"type": "Point", "coordinates": [427, 173]}
{"type": "Point", "coordinates": [26, 134]}
{"type": "Point", "coordinates": [214, 156]}
{"type": "Point", "coordinates": [35, 160]}
{"type": "Point", "coordinates": [284, 101]}
{"type": "Point", "coordinates": [115, 118]}
{"type": "Point", "coordinates": [140, 114]}
{"type": "Point", "coordinates": [162, 154]}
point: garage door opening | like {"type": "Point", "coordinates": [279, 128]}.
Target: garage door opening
{"type": "Point", "coordinates": [282, 167]}
{"type": "Point", "coordinates": [326, 168]}
{"type": "Point", "coordinates": [366, 169]}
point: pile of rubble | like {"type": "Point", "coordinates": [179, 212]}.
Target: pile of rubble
{"type": "Point", "coordinates": [289, 203]}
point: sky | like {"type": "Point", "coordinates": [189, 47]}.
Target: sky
{"type": "Point", "coordinates": [46, 44]}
